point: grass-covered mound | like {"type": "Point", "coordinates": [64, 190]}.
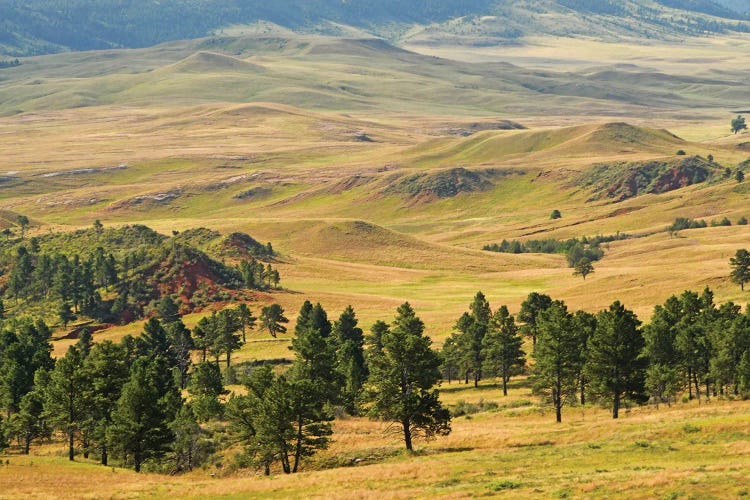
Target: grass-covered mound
{"type": "Point", "coordinates": [625, 180]}
{"type": "Point", "coordinates": [117, 275]}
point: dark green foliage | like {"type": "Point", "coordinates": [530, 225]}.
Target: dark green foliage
{"type": "Point", "coordinates": [557, 356]}
{"type": "Point", "coordinates": [148, 404]}
{"type": "Point", "coordinates": [205, 387]}
{"type": "Point", "coordinates": [67, 398]}
{"type": "Point", "coordinates": [31, 422]}
{"type": "Point", "coordinates": [501, 348]}
{"type": "Point", "coordinates": [739, 176]}
{"type": "Point", "coordinates": [740, 264]}
{"type": "Point", "coordinates": [246, 319]}
{"type": "Point", "coordinates": [742, 221]}
{"type": "Point", "coordinates": [583, 268]}
{"type": "Point", "coordinates": [531, 308]}
{"type": "Point", "coordinates": [24, 349]}
{"type": "Point", "coordinates": [738, 124]}
{"type": "Point", "coordinates": [167, 310]}
{"type": "Point", "coordinates": [681, 223]}
{"type": "Point", "coordinates": [625, 180]}
{"type": "Point", "coordinates": [402, 376]}
{"type": "Point", "coordinates": [134, 267]}
{"type": "Point", "coordinates": [471, 330]}
{"type": "Point", "coordinates": [574, 249]}
{"type": "Point", "coordinates": [191, 446]}
{"type": "Point", "coordinates": [556, 214]}
{"type": "Point", "coordinates": [272, 319]}
{"type": "Point", "coordinates": [614, 364]}
{"type": "Point", "coordinates": [107, 369]}
{"type": "Point", "coordinates": [350, 358]}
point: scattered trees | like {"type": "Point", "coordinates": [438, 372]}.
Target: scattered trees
{"type": "Point", "coordinates": [583, 268]}
{"type": "Point", "coordinates": [272, 319]}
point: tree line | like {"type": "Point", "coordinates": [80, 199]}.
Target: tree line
{"type": "Point", "coordinates": [690, 346]}
{"type": "Point", "coordinates": [122, 401]}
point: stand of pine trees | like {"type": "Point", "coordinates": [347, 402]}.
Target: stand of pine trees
{"type": "Point", "coordinates": [122, 403]}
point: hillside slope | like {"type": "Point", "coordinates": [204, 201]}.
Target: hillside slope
{"type": "Point", "coordinates": [44, 26]}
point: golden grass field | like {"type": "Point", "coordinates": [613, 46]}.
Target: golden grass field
{"type": "Point", "coordinates": [207, 123]}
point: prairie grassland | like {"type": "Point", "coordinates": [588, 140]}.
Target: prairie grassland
{"type": "Point", "coordinates": [513, 451]}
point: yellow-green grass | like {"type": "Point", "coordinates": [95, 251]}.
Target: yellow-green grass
{"type": "Point", "coordinates": [514, 451]}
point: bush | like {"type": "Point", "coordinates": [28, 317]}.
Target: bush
{"type": "Point", "coordinates": [742, 221]}
{"type": "Point", "coordinates": [556, 214]}
{"type": "Point", "coordinates": [681, 152]}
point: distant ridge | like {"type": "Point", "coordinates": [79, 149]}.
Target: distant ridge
{"type": "Point", "coordinates": [48, 26]}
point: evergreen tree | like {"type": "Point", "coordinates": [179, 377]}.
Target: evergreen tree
{"type": "Point", "coordinates": [350, 357]}
{"type": "Point", "coordinates": [314, 382]}
{"type": "Point", "coordinates": [740, 268]}
{"type": "Point", "coordinates": [65, 314]}
{"type": "Point", "coordinates": [585, 324]}
{"type": "Point", "coordinates": [107, 367]}
{"type": "Point", "coordinates": [140, 421]}
{"type": "Point", "coordinates": [660, 351]}
{"type": "Point", "coordinates": [229, 339]}
{"type": "Point", "coordinates": [557, 360]}
{"type": "Point", "coordinates": [473, 327]}
{"type": "Point", "coordinates": [534, 304]}
{"type": "Point", "coordinates": [190, 447]}
{"type": "Point", "coordinates": [402, 376]}
{"type": "Point", "coordinates": [614, 365]}
{"type": "Point", "coordinates": [206, 386]}
{"type": "Point", "coordinates": [167, 310]}
{"type": "Point", "coordinates": [264, 419]}
{"type": "Point", "coordinates": [246, 318]}
{"type": "Point", "coordinates": [450, 358]}
{"type": "Point", "coordinates": [30, 422]}
{"type": "Point", "coordinates": [501, 347]}
{"type": "Point", "coordinates": [67, 402]}
{"type": "Point", "coordinates": [272, 318]}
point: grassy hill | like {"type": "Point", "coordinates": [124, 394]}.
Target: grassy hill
{"type": "Point", "coordinates": [379, 174]}
{"type": "Point", "coordinates": [32, 28]}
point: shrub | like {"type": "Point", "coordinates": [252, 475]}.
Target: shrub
{"type": "Point", "coordinates": [681, 152]}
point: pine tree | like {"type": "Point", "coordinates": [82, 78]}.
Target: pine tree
{"type": "Point", "coordinates": [314, 382]}
{"type": "Point", "coordinates": [247, 320]}
{"type": "Point", "coordinates": [107, 368]}
{"type": "Point", "coordinates": [557, 360]}
{"type": "Point", "coordinates": [167, 310]}
{"type": "Point", "coordinates": [272, 318]}
{"type": "Point", "coordinates": [350, 357]}
{"type": "Point", "coordinates": [501, 347]}
{"type": "Point", "coordinates": [190, 448]}
{"type": "Point", "coordinates": [740, 268]}
{"type": "Point", "coordinates": [30, 422]}
{"type": "Point", "coordinates": [614, 365]}
{"type": "Point", "coordinates": [141, 418]}
{"type": "Point", "coordinates": [228, 338]}
{"type": "Point", "coordinates": [534, 304]}
{"type": "Point", "coordinates": [206, 386]}
{"type": "Point", "coordinates": [67, 397]}
{"type": "Point", "coordinates": [473, 327]}
{"type": "Point", "coordinates": [402, 376]}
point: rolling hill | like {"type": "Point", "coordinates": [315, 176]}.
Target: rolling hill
{"type": "Point", "coordinates": [44, 26]}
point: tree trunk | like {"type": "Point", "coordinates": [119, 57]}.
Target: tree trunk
{"type": "Point", "coordinates": [708, 391]}
{"type": "Point", "coordinates": [27, 443]}
{"type": "Point", "coordinates": [105, 457]}
{"type": "Point", "coordinates": [505, 386]}
{"type": "Point", "coordinates": [616, 406]}
{"type": "Point", "coordinates": [476, 379]}
{"type": "Point", "coordinates": [137, 462]}
{"type": "Point", "coordinates": [407, 434]}
{"type": "Point", "coordinates": [267, 469]}
{"type": "Point", "coordinates": [85, 447]}
{"type": "Point", "coordinates": [583, 391]}
{"type": "Point", "coordinates": [690, 384]}
{"type": "Point", "coordinates": [697, 388]}
{"type": "Point", "coordinates": [71, 449]}
{"type": "Point", "coordinates": [298, 451]}
{"type": "Point", "coordinates": [229, 357]}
